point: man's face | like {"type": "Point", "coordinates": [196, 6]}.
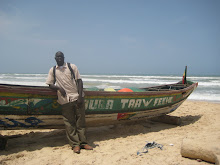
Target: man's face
{"type": "Point", "coordinates": [59, 59]}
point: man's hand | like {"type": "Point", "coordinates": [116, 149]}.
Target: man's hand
{"type": "Point", "coordinates": [80, 101]}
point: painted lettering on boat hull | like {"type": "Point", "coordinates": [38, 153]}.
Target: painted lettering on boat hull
{"type": "Point", "coordinates": [127, 103]}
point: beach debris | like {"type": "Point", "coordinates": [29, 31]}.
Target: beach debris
{"type": "Point", "coordinates": [149, 145]}
{"type": "Point", "coordinates": [3, 142]}
{"type": "Point", "coordinates": [199, 160]}
{"type": "Point", "coordinates": [200, 147]}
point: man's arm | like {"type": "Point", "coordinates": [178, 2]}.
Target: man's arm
{"type": "Point", "coordinates": [54, 87]}
{"type": "Point", "coordinates": [80, 91]}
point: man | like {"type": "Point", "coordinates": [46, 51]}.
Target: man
{"type": "Point", "coordinates": [71, 97]}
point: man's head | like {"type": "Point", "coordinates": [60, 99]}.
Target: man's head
{"type": "Point", "coordinates": [59, 57]}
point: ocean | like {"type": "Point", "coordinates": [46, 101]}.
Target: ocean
{"type": "Point", "coordinates": [208, 88]}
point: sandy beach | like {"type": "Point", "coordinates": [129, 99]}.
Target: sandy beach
{"type": "Point", "coordinates": [118, 145]}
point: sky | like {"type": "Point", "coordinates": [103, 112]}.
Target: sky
{"type": "Point", "coordinates": [111, 36]}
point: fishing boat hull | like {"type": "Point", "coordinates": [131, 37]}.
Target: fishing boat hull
{"type": "Point", "coordinates": [37, 107]}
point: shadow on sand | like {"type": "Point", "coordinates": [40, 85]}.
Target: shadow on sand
{"type": "Point", "coordinates": [36, 140]}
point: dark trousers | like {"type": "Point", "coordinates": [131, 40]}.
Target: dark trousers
{"type": "Point", "coordinates": [74, 120]}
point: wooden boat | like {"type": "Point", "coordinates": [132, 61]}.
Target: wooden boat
{"type": "Point", "coordinates": [36, 106]}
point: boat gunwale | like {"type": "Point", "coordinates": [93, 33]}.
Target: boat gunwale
{"type": "Point", "coordinates": [42, 90]}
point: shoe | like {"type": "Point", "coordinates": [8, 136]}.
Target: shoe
{"type": "Point", "coordinates": [87, 147]}
{"type": "Point", "coordinates": [76, 149]}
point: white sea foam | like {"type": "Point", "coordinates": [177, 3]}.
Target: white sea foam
{"type": "Point", "coordinates": [205, 97]}
{"type": "Point", "coordinates": [208, 89]}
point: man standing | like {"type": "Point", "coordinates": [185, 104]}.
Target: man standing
{"type": "Point", "coordinates": [69, 87]}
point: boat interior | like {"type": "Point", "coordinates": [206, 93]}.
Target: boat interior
{"type": "Point", "coordinates": [167, 87]}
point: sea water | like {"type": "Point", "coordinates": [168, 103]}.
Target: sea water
{"type": "Point", "coordinates": [208, 88]}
